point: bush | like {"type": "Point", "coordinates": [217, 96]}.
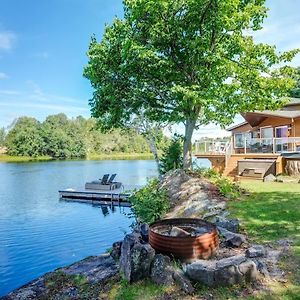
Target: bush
{"type": "Point", "coordinates": [172, 157]}
{"type": "Point", "coordinates": [226, 186]}
{"type": "Point", "coordinates": [208, 173]}
{"type": "Point", "coordinates": [150, 203]}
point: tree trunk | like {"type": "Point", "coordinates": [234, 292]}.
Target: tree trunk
{"type": "Point", "coordinates": [153, 148]}
{"type": "Point", "coordinates": [187, 145]}
{"type": "Point", "coordinates": [293, 167]}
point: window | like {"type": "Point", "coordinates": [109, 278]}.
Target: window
{"type": "Point", "coordinates": [239, 139]}
{"type": "Point", "coordinates": [266, 132]}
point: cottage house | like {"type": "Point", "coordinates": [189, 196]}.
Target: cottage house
{"type": "Point", "coordinates": [267, 142]}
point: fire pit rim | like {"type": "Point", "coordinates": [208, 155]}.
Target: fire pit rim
{"type": "Point", "coordinates": [182, 221]}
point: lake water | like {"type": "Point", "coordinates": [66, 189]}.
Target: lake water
{"type": "Point", "coordinates": [39, 233]}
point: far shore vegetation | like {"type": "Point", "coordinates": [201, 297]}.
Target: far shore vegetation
{"type": "Point", "coordinates": [59, 137]}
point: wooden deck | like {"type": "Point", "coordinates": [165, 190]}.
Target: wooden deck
{"type": "Point", "coordinates": [229, 167]}
{"type": "Point", "coordinates": [115, 197]}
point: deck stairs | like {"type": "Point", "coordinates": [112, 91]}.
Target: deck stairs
{"type": "Point", "coordinates": [231, 167]}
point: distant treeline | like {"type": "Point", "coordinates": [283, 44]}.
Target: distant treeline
{"type": "Point", "coordinates": [60, 137]}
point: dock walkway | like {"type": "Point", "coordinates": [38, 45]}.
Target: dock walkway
{"type": "Point", "coordinates": [117, 197]}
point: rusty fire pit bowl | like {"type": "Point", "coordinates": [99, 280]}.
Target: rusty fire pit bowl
{"type": "Point", "coordinates": [186, 248]}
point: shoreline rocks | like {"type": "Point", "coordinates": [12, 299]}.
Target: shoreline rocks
{"type": "Point", "coordinates": [235, 263]}
{"type": "Point", "coordinates": [223, 272]}
{"type": "Point", "coordinates": [136, 257]}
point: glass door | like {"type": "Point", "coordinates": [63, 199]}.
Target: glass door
{"type": "Point", "coordinates": [281, 142]}
{"type": "Point", "coordinates": [266, 136]}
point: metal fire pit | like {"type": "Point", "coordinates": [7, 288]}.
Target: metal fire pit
{"type": "Point", "coordinates": [186, 248]}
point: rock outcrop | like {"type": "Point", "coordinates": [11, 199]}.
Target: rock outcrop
{"type": "Point", "coordinates": [223, 272]}
{"type": "Point", "coordinates": [95, 269]}
{"type": "Point", "coordinates": [231, 239]}
{"type": "Point", "coordinates": [161, 270]}
{"type": "Point", "coordinates": [136, 257]}
{"type": "Point", "coordinates": [191, 196]}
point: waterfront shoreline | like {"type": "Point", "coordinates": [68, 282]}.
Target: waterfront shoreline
{"type": "Point", "coordinates": [4, 158]}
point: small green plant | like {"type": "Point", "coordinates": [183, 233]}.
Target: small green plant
{"type": "Point", "coordinates": [172, 157]}
{"type": "Point", "coordinates": [150, 202]}
{"type": "Point", "coordinates": [207, 173]}
{"type": "Point", "coordinates": [226, 186]}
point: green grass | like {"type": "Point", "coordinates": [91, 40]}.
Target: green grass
{"type": "Point", "coordinates": [121, 156]}
{"type": "Point", "coordinates": [112, 156]}
{"type": "Point", "coordinates": [270, 213]}
{"type": "Point", "coordinates": [8, 158]}
{"type": "Point", "coordinates": [145, 290]}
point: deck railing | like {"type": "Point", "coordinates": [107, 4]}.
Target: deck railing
{"type": "Point", "coordinates": [249, 145]}
{"type": "Point", "coordinates": [211, 146]}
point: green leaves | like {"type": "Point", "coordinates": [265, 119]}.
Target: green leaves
{"type": "Point", "coordinates": [172, 156]}
{"type": "Point", "coordinates": [186, 61]}
{"type": "Point", "coordinates": [60, 137]}
{"type": "Point", "coordinates": [150, 203]}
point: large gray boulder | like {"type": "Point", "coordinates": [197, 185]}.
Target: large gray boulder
{"type": "Point", "coordinates": [229, 224]}
{"type": "Point", "coordinates": [269, 178]}
{"type": "Point", "coordinates": [224, 272]}
{"type": "Point", "coordinates": [95, 268]}
{"type": "Point", "coordinates": [183, 282]}
{"type": "Point", "coordinates": [116, 250]}
{"type": "Point", "coordinates": [161, 270]}
{"type": "Point", "coordinates": [231, 239]}
{"type": "Point", "coordinates": [202, 271]}
{"type": "Point", "coordinates": [136, 257]}
{"type": "Point", "coordinates": [256, 251]}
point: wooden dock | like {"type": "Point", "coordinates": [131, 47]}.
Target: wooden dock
{"type": "Point", "coordinates": [115, 197]}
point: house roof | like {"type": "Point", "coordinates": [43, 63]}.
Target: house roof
{"type": "Point", "coordinates": [293, 101]}
{"type": "Point", "coordinates": [237, 126]}
{"type": "Point", "coordinates": [256, 117]}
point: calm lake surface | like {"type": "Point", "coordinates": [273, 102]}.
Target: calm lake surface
{"type": "Point", "coordinates": [39, 233]}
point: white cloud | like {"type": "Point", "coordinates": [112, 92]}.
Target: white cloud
{"type": "Point", "coordinates": [3, 75]}
{"type": "Point", "coordinates": [42, 55]}
{"type": "Point", "coordinates": [9, 92]}
{"type": "Point", "coordinates": [7, 40]}
{"type": "Point", "coordinates": [36, 93]}
{"type": "Point", "coordinates": [35, 102]}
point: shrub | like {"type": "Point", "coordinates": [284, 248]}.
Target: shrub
{"type": "Point", "coordinates": [172, 157]}
{"type": "Point", "coordinates": [150, 203]}
{"type": "Point", "coordinates": [226, 186]}
{"type": "Point", "coordinates": [208, 173]}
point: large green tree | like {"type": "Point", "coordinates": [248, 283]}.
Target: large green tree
{"type": "Point", "coordinates": [185, 61]}
{"type": "Point", "coordinates": [24, 139]}
{"type": "Point", "coordinates": [295, 92]}
{"type": "Point", "coordinates": [2, 136]}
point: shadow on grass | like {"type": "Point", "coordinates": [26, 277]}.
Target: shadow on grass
{"type": "Point", "coordinates": [269, 216]}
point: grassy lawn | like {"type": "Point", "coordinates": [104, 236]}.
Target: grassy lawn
{"type": "Point", "coordinates": [270, 213]}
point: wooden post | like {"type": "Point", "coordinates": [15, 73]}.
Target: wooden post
{"type": "Point", "coordinates": [274, 145]}
{"type": "Point", "coordinates": [245, 145]}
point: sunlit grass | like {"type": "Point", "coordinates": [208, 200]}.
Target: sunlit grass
{"type": "Point", "coordinates": [121, 156]}
{"type": "Point", "coordinates": [271, 213]}
{"type": "Point", "coordinates": [8, 158]}
{"type": "Point", "coordinates": [112, 156]}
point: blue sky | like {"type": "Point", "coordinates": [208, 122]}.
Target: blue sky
{"type": "Point", "coordinates": [43, 46]}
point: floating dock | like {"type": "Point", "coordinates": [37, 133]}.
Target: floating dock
{"type": "Point", "coordinates": [116, 197]}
